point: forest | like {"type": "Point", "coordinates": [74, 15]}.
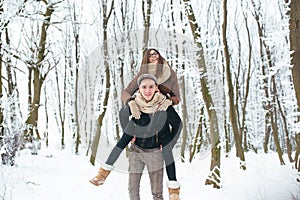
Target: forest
{"type": "Point", "coordinates": [64, 64]}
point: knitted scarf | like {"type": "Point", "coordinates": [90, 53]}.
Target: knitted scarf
{"type": "Point", "coordinates": [153, 105]}
{"type": "Point", "coordinates": [161, 78]}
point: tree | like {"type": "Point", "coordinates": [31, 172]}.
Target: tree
{"type": "Point", "coordinates": [146, 7]}
{"type": "Point", "coordinates": [106, 13]}
{"type": "Point", "coordinates": [9, 120]}
{"type": "Point", "coordinates": [232, 107]}
{"type": "Point", "coordinates": [214, 177]}
{"type": "Point", "coordinates": [39, 69]}
{"type": "Point", "coordinates": [269, 85]}
{"type": "Point", "coordinates": [295, 61]}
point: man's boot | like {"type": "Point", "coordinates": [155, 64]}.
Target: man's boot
{"type": "Point", "coordinates": [102, 175]}
{"type": "Point", "coordinates": [174, 188]}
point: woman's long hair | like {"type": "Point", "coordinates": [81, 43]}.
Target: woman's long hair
{"type": "Point", "coordinates": [145, 62]}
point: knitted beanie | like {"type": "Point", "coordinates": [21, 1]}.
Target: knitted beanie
{"type": "Point", "coordinates": [146, 76]}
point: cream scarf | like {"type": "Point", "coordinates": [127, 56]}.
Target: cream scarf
{"type": "Point", "coordinates": [151, 69]}
{"type": "Point", "coordinates": [159, 102]}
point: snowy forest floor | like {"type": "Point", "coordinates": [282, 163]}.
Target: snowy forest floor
{"type": "Point", "coordinates": [61, 175]}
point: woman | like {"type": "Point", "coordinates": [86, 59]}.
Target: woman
{"type": "Point", "coordinates": [150, 139]}
{"type": "Point", "coordinates": [153, 63]}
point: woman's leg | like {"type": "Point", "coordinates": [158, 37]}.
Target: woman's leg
{"type": "Point", "coordinates": [169, 162]}
{"type": "Point", "coordinates": [173, 185]}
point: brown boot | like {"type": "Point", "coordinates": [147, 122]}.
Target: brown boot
{"type": "Point", "coordinates": [174, 188]}
{"type": "Point", "coordinates": [101, 176]}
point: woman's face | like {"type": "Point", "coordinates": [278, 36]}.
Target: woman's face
{"type": "Point", "coordinates": [153, 57]}
{"type": "Point", "coordinates": [148, 88]}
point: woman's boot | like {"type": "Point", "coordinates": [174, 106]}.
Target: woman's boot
{"type": "Point", "coordinates": [174, 188]}
{"type": "Point", "coordinates": [102, 175]}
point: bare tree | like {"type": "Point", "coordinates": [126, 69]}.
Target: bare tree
{"type": "Point", "coordinates": [76, 29]}
{"type": "Point", "coordinates": [9, 121]}
{"type": "Point", "coordinates": [214, 177]}
{"type": "Point", "coordinates": [232, 107]}
{"type": "Point", "coordinates": [106, 13]}
{"type": "Point", "coordinates": [40, 70]}
{"type": "Point", "coordinates": [1, 82]}
{"type": "Point", "coordinates": [269, 86]}
{"type": "Point", "coordinates": [244, 101]}
{"type": "Point", "coordinates": [295, 48]}
{"type": "Point", "coordinates": [146, 7]}
{"type": "Point", "coordinates": [61, 98]}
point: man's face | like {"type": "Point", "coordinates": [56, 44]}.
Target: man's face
{"type": "Point", "coordinates": [147, 88]}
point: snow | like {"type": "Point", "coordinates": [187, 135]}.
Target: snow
{"type": "Point", "coordinates": [60, 175]}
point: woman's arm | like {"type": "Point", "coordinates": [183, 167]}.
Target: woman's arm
{"type": "Point", "coordinates": [175, 95]}
{"type": "Point", "coordinates": [130, 89]}
{"type": "Point", "coordinates": [173, 119]}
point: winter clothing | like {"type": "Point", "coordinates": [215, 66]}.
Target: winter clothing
{"type": "Point", "coordinates": [174, 188]}
{"type": "Point", "coordinates": [102, 175]}
{"type": "Point", "coordinates": [147, 126]}
{"type": "Point", "coordinates": [151, 140]}
{"type": "Point", "coordinates": [146, 76]}
{"type": "Point", "coordinates": [135, 111]}
{"type": "Point", "coordinates": [146, 150]}
{"type": "Point", "coordinates": [165, 137]}
{"type": "Point", "coordinates": [158, 102]}
{"type": "Point", "coordinates": [152, 158]}
{"type": "Point", "coordinates": [124, 116]}
{"type": "Point", "coordinates": [167, 83]}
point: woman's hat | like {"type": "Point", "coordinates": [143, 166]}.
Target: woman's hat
{"type": "Point", "coordinates": [146, 76]}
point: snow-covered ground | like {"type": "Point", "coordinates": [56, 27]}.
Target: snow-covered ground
{"type": "Point", "coordinates": [61, 175]}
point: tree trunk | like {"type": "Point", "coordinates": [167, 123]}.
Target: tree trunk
{"type": "Point", "coordinates": [297, 160]}
{"type": "Point", "coordinates": [76, 31]}
{"type": "Point", "coordinates": [146, 7]}
{"type": "Point", "coordinates": [232, 108]}
{"type": "Point", "coordinates": [1, 83]}
{"type": "Point", "coordinates": [184, 131]}
{"type": "Point", "coordinates": [61, 105]}
{"type": "Point", "coordinates": [214, 177]}
{"type": "Point", "coordinates": [77, 60]}
{"type": "Point", "coordinates": [274, 124]}
{"type": "Point", "coordinates": [100, 119]}
{"type": "Point", "coordinates": [247, 87]}
{"type": "Point", "coordinates": [198, 140]}
{"type": "Point", "coordinates": [184, 120]}
{"type": "Point", "coordinates": [289, 146]}
{"type": "Point", "coordinates": [38, 79]}
{"type": "Point", "coordinates": [270, 91]}
{"type": "Point", "coordinates": [295, 57]}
